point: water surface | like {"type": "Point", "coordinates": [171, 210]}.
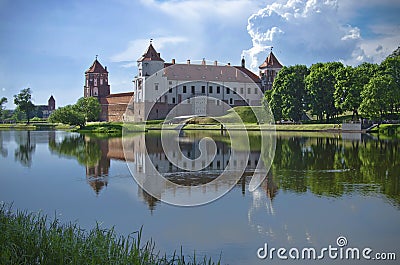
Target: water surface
{"type": "Point", "coordinates": [319, 187]}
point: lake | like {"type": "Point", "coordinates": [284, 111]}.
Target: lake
{"type": "Point", "coordinates": [319, 187]}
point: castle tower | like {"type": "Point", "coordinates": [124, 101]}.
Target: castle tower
{"type": "Point", "coordinates": [150, 62]}
{"type": "Point", "coordinates": [268, 71]}
{"type": "Point", "coordinates": [51, 104]}
{"type": "Point", "coordinates": [96, 81]}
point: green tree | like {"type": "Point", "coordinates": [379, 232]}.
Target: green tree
{"type": "Point", "coordinates": [90, 107]}
{"type": "Point", "coordinates": [347, 90]}
{"type": "Point", "coordinates": [320, 85]}
{"type": "Point", "coordinates": [287, 98]}
{"type": "Point", "coordinates": [24, 102]}
{"type": "Point", "coordinates": [391, 66]}
{"type": "Point", "coordinates": [68, 115]}
{"type": "Point", "coordinates": [377, 96]}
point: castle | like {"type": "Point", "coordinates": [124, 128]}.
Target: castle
{"type": "Point", "coordinates": [198, 88]}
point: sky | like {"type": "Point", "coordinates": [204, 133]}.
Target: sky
{"type": "Point", "coordinates": [48, 45]}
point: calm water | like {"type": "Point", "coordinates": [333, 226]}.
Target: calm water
{"type": "Point", "coordinates": [319, 187]}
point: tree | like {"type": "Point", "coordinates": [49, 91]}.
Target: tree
{"type": "Point", "coordinates": [68, 115]}
{"type": "Point", "coordinates": [320, 86]}
{"type": "Point", "coordinates": [377, 96]}
{"type": "Point", "coordinates": [24, 103]}
{"type": "Point", "coordinates": [391, 66]}
{"type": "Point", "coordinates": [287, 98]}
{"type": "Point", "coordinates": [90, 107]}
{"type": "Point", "coordinates": [347, 90]}
{"type": "Point", "coordinates": [3, 100]}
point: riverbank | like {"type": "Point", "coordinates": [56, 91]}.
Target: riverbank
{"type": "Point", "coordinates": [114, 129]}
{"type": "Point", "coordinates": [29, 238]}
{"type": "Point", "coordinates": [35, 126]}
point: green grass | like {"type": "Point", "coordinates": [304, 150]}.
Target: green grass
{"type": "Point", "coordinates": [27, 238]}
{"type": "Point", "coordinates": [390, 130]}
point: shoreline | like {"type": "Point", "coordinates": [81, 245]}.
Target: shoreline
{"type": "Point", "coordinates": [115, 129]}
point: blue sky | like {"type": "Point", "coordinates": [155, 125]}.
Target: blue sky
{"type": "Point", "coordinates": [48, 45]}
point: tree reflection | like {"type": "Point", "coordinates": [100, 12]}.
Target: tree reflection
{"type": "Point", "coordinates": [91, 153]}
{"type": "Point", "coordinates": [333, 167]}
{"type": "Point", "coordinates": [26, 148]}
{"type": "Point", "coordinates": [3, 150]}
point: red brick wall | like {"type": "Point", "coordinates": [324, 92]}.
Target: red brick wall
{"type": "Point", "coordinates": [114, 106]}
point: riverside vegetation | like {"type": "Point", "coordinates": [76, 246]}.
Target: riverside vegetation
{"type": "Point", "coordinates": [32, 238]}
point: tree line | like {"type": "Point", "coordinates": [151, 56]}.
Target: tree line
{"type": "Point", "coordinates": [330, 89]}
{"type": "Point", "coordinates": [84, 110]}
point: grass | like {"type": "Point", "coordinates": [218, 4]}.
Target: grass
{"type": "Point", "coordinates": [27, 238]}
{"type": "Point", "coordinates": [390, 130]}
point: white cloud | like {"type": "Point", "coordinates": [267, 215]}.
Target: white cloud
{"type": "Point", "coordinates": [226, 11]}
{"type": "Point", "coordinates": [137, 47]}
{"type": "Point", "coordinates": [310, 31]}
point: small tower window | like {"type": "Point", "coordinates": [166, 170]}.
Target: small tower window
{"type": "Point", "coordinates": [101, 81]}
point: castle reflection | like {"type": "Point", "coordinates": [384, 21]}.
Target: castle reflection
{"type": "Point", "coordinates": [323, 165]}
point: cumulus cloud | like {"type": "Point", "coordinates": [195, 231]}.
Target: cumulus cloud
{"type": "Point", "coordinates": [308, 30]}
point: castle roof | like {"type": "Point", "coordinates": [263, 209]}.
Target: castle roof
{"type": "Point", "coordinates": [150, 55]}
{"type": "Point", "coordinates": [213, 73]}
{"type": "Point", "coordinates": [271, 62]}
{"type": "Point", "coordinates": [51, 98]}
{"type": "Point", "coordinates": [96, 68]}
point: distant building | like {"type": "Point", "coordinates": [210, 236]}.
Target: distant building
{"type": "Point", "coordinates": [233, 85]}
{"type": "Point", "coordinates": [44, 111]}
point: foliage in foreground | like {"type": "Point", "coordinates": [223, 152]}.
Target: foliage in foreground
{"type": "Point", "coordinates": [27, 238]}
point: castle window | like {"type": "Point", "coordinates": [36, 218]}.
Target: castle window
{"type": "Point", "coordinates": [255, 91]}
{"type": "Point", "coordinates": [231, 101]}
{"type": "Point", "coordinates": [170, 82]}
{"type": "Point", "coordinates": [184, 89]}
{"type": "Point", "coordinates": [165, 98]}
{"type": "Point", "coordinates": [228, 91]}
{"type": "Point", "coordinates": [241, 90]}
{"type": "Point", "coordinates": [95, 81]}
{"type": "Point", "coordinates": [170, 90]}
{"type": "Point", "coordinates": [101, 81]}
{"type": "Point", "coordinates": [218, 90]}
{"type": "Point", "coordinates": [234, 90]}
{"type": "Point", "coordinates": [249, 90]}
{"type": "Point", "coordinates": [210, 89]}
{"type": "Point", "coordinates": [95, 91]}
{"type": "Point", "coordinates": [173, 100]}
{"type": "Point", "coordinates": [193, 90]}
{"type": "Point", "coordinates": [203, 89]}
{"type": "Point", "coordinates": [156, 86]}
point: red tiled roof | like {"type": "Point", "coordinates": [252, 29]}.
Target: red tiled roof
{"type": "Point", "coordinates": [96, 68]}
{"type": "Point", "coordinates": [271, 62]}
{"type": "Point", "coordinates": [120, 94]}
{"type": "Point", "coordinates": [150, 55]}
{"type": "Point", "coordinates": [213, 73]}
{"type": "Point", "coordinates": [249, 73]}
{"type": "Point", "coordinates": [119, 98]}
